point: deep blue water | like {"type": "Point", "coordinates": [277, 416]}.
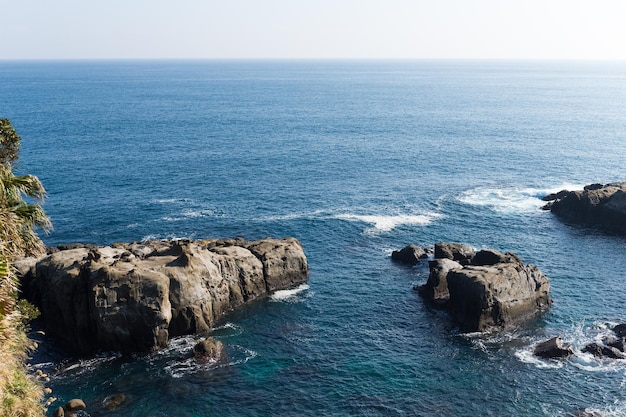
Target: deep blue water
{"type": "Point", "coordinates": [354, 159]}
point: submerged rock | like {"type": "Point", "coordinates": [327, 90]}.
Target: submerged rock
{"type": "Point", "coordinates": [134, 297]}
{"type": "Point", "coordinates": [553, 348]}
{"type": "Point", "coordinates": [487, 290]}
{"type": "Point", "coordinates": [597, 204]}
{"type": "Point", "coordinates": [585, 412]}
{"type": "Point", "coordinates": [114, 401]}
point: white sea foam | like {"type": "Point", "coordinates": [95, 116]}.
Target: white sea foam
{"type": "Point", "coordinates": [171, 201]}
{"type": "Point", "coordinates": [190, 214]}
{"type": "Point", "coordinates": [316, 214]}
{"type": "Point", "coordinates": [293, 295]}
{"type": "Point", "coordinates": [527, 356]}
{"type": "Point", "coordinates": [382, 223]}
{"type": "Point", "coordinates": [178, 368]}
{"type": "Point", "coordinates": [511, 200]}
{"type": "Point", "coordinates": [166, 237]}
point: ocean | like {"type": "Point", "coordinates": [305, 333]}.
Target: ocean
{"type": "Point", "coordinates": [354, 159]}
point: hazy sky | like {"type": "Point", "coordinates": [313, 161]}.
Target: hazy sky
{"type": "Point", "coordinates": [552, 29]}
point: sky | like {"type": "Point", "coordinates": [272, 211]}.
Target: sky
{"type": "Point", "coordinates": [312, 29]}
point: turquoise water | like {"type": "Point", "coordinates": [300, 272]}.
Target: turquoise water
{"type": "Point", "coordinates": [354, 159]}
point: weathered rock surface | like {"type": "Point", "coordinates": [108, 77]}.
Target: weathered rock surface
{"type": "Point", "coordinates": [134, 297]}
{"type": "Point", "coordinates": [209, 350]}
{"type": "Point", "coordinates": [410, 254]}
{"type": "Point", "coordinates": [436, 288]}
{"type": "Point", "coordinates": [485, 290]}
{"type": "Point", "coordinates": [612, 346]}
{"type": "Point", "coordinates": [603, 351]}
{"type": "Point", "coordinates": [596, 204]}
{"type": "Point", "coordinates": [462, 254]}
{"type": "Point", "coordinates": [553, 348]}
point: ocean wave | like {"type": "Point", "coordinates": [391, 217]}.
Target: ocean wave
{"type": "Point", "coordinates": [170, 236]}
{"type": "Point", "coordinates": [291, 296]}
{"type": "Point", "coordinates": [190, 214]}
{"type": "Point", "coordinates": [171, 201]}
{"type": "Point", "coordinates": [72, 369]}
{"type": "Point", "coordinates": [579, 336]}
{"type": "Point", "coordinates": [386, 223]}
{"type": "Point", "coordinates": [527, 356]}
{"type": "Point", "coordinates": [181, 367]}
{"type": "Point", "coordinates": [511, 200]}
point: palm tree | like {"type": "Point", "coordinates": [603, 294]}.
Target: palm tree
{"type": "Point", "coordinates": [18, 218]}
{"type": "Point", "coordinates": [20, 393]}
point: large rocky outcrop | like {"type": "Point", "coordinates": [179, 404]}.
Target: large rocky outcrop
{"type": "Point", "coordinates": [486, 289]}
{"type": "Point", "coordinates": [134, 297]}
{"type": "Point", "coordinates": [596, 204]}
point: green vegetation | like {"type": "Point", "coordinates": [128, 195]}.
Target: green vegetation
{"type": "Point", "coordinates": [21, 394]}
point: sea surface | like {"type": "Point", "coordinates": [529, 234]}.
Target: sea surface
{"type": "Point", "coordinates": [355, 159]}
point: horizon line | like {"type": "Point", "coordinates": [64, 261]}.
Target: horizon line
{"type": "Point", "coordinates": [315, 59]}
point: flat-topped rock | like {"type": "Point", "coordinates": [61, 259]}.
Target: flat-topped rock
{"type": "Point", "coordinates": [132, 297]}
{"type": "Point", "coordinates": [484, 290]}
{"type": "Point", "coordinates": [597, 204]}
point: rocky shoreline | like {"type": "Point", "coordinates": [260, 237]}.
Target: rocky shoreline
{"type": "Point", "coordinates": [133, 297]}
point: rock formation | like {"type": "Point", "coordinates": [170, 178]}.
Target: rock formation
{"type": "Point", "coordinates": [410, 254]}
{"type": "Point", "coordinates": [596, 204]}
{"type": "Point", "coordinates": [612, 346]}
{"type": "Point", "coordinates": [134, 297]}
{"type": "Point", "coordinates": [209, 350]}
{"type": "Point", "coordinates": [553, 348]}
{"type": "Point", "coordinates": [484, 290]}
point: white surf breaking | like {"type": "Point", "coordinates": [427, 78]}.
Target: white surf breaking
{"type": "Point", "coordinates": [386, 223]}
{"type": "Point", "coordinates": [511, 200]}
{"type": "Point", "coordinates": [579, 336]}
{"type": "Point", "coordinates": [293, 295]}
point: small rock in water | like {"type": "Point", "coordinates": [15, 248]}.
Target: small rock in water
{"type": "Point", "coordinates": [114, 401]}
{"type": "Point", "coordinates": [553, 348]}
{"type": "Point", "coordinates": [59, 412]}
{"type": "Point", "coordinates": [620, 330]}
{"type": "Point", "coordinates": [584, 413]}
{"type": "Point", "coordinates": [74, 405]}
{"type": "Point", "coordinates": [209, 350]}
{"type": "Point", "coordinates": [601, 351]}
{"type": "Point", "coordinates": [410, 255]}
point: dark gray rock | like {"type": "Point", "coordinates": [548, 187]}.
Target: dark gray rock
{"type": "Point", "coordinates": [620, 330]}
{"type": "Point", "coordinates": [134, 297]}
{"type": "Point", "coordinates": [553, 348]}
{"type": "Point", "coordinates": [618, 343]}
{"type": "Point", "coordinates": [410, 254]}
{"type": "Point", "coordinates": [209, 350]}
{"type": "Point", "coordinates": [436, 288]}
{"type": "Point", "coordinates": [498, 291]}
{"type": "Point", "coordinates": [602, 351]}
{"type": "Point", "coordinates": [487, 297]}
{"type": "Point", "coordinates": [555, 196]}
{"type": "Point", "coordinates": [598, 204]}
{"type": "Point", "coordinates": [460, 253]}
{"type": "Point", "coordinates": [491, 257]}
